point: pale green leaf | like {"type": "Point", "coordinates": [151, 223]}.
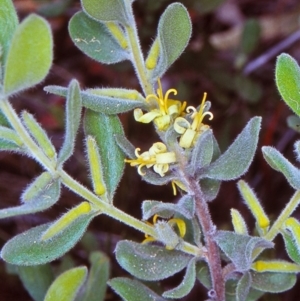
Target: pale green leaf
{"type": "Point", "coordinates": [287, 77]}
{"type": "Point", "coordinates": [149, 262]}
{"type": "Point", "coordinates": [273, 282]}
{"type": "Point", "coordinates": [278, 162]}
{"type": "Point", "coordinates": [186, 285]}
{"type": "Point", "coordinates": [133, 290]}
{"type": "Point", "coordinates": [174, 32]}
{"type": "Point", "coordinates": [66, 286]}
{"type": "Point", "coordinates": [45, 197]}
{"type": "Point", "coordinates": [73, 117]}
{"type": "Point", "coordinates": [96, 100]}
{"type": "Point", "coordinates": [235, 161]}
{"type": "Point", "coordinates": [95, 288]}
{"type": "Point", "coordinates": [106, 11]}
{"type": "Point", "coordinates": [30, 55]}
{"type": "Point", "coordinates": [103, 129]}
{"type": "Point", "coordinates": [8, 24]}
{"type": "Point", "coordinates": [28, 249]}
{"type": "Point", "coordinates": [94, 39]}
{"type": "Point", "coordinates": [36, 279]}
{"type": "Point", "coordinates": [239, 247]}
{"type": "Point", "coordinates": [243, 287]}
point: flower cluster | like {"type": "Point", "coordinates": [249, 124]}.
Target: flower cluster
{"type": "Point", "coordinates": [165, 109]}
{"type": "Point", "coordinates": [157, 156]}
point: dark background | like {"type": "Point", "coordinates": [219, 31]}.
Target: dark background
{"type": "Point", "coordinates": [228, 37]}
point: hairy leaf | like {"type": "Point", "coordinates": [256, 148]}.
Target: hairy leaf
{"type": "Point", "coordinates": [210, 188]}
{"type": "Point", "coordinates": [27, 248]}
{"type": "Point", "coordinates": [291, 247]}
{"type": "Point", "coordinates": [30, 49]}
{"type": "Point", "coordinates": [237, 158]}
{"type": "Point", "coordinates": [96, 100]}
{"type": "Point", "coordinates": [8, 24]}
{"type": "Point", "coordinates": [278, 162]}
{"type": "Point", "coordinates": [104, 128]}
{"type": "Point", "coordinates": [73, 117]}
{"type": "Point", "coordinates": [185, 207]}
{"type": "Point", "coordinates": [243, 287]}
{"type": "Point", "coordinates": [66, 286]}
{"type": "Point", "coordinates": [273, 282]}
{"type": "Point", "coordinates": [133, 290]}
{"type": "Point", "coordinates": [148, 262]}
{"type": "Point", "coordinates": [106, 11]}
{"type": "Point", "coordinates": [186, 285]}
{"type": "Point", "coordinates": [287, 76]}
{"type": "Point", "coordinates": [174, 32]}
{"type": "Point", "coordinates": [45, 197]}
{"type": "Point", "coordinates": [239, 247]}
{"type": "Point", "coordinates": [95, 288]}
{"type": "Point", "coordinates": [94, 39]}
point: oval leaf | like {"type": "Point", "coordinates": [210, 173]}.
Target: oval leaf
{"type": "Point", "coordinates": [186, 285]}
{"type": "Point", "coordinates": [73, 117]}
{"type": "Point", "coordinates": [28, 249]}
{"type": "Point", "coordinates": [133, 290]}
{"type": "Point", "coordinates": [278, 162]}
{"type": "Point", "coordinates": [291, 247]}
{"type": "Point", "coordinates": [92, 99]}
{"type": "Point", "coordinates": [148, 262]}
{"type": "Point", "coordinates": [30, 55]}
{"type": "Point", "coordinates": [95, 288]}
{"type": "Point", "coordinates": [174, 32]}
{"type": "Point", "coordinates": [239, 247]}
{"type": "Point", "coordinates": [287, 77]}
{"type": "Point", "coordinates": [103, 129]}
{"type": "Point", "coordinates": [106, 11]}
{"type": "Point", "coordinates": [273, 282]}
{"type": "Point", "coordinates": [44, 199]}
{"type": "Point", "coordinates": [237, 158]}
{"type": "Point", "coordinates": [94, 39]}
{"type": "Point", "coordinates": [8, 24]}
{"type": "Point", "coordinates": [66, 286]}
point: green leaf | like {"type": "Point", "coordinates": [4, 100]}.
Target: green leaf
{"type": "Point", "coordinates": [203, 151]}
{"type": "Point", "coordinates": [28, 249]}
{"type": "Point", "coordinates": [30, 55]}
{"type": "Point", "coordinates": [45, 197]}
{"type": "Point", "coordinates": [291, 247]}
{"type": "Point", "coordinates": [186, 285]}
{"type": "Point", "coordinates": [250, 36]}
{"type": "Point", "coordinates": [237, 158]}
{"type": "Point", "coordinates": [10, 146]}
{"type": "Point", "coordinates": [206, 6]}
{"type": "Point", "coordinates": [148, 262]}
{"type": "Point", "coordinates": [96, 100]}
{"type": "Point", "coordinates": [287, 76]}
{"type": "Point", "coordinates": [106, 11]}
{"type": "Point", "coordinates": [174, 32]}
{"type": "Point", "coordinates": [3, 119]}
{"type": "Point", "coordinates": [66, 286]}
{"type": "Point", "coordinates": [104, 128]}
{"type": "Point", "coordinates": [73, 117]}
{"type": "Point", "coordinates": [8, 24]}
{"type": "Point", "coordinates": [210, 188]}
{"type": "Point", "coordinates": [278, 162]}
{"type": "Point", "coordinates": [243, 287]}
{"type": "Point", "coordinates": [98, 276]}
{"type": "Point", "coordinates": [203, 274]}
{"type": "Point", "coordinates": [94, 39]}
{"type": "Point", "coordinates": [248, 89]}
{"type": "Point", "coordinates": [185, 207]}
{"type": "Point", "coordinates": [54, 9]}
{"type": "Point", "coordinates": [273, 282]}
{"type": "Point", "coordinates": [36, 279]}
{"type": "Point", "coordinates": [239, 247]}
{"type": "Point", "coordinates": [133, 290]}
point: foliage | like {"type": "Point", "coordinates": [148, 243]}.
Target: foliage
{"type": "Point", "coordinates": [182, 235]}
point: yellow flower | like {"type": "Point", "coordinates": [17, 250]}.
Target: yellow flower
{"type": "Point", "coordinates": [157, 156]}
{"type": "Point", "coordinates": [191, 131]}
{"type": "Point", "coordinates": [165, 109]}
